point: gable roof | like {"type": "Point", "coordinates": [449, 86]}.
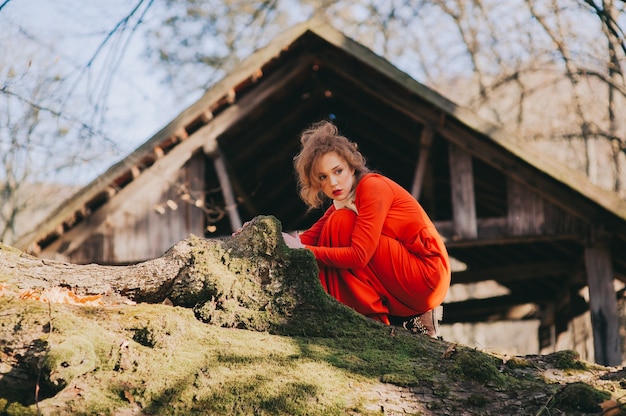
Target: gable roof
{"type": "Point", "coordinates": [311, 72]}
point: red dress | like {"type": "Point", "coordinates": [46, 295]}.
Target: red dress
{"type": "Point", "coordinates": [386, 260]}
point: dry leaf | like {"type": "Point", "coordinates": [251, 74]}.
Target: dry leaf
{"type": "Point", "coordinates": [61, 295]}
{"type": "Point", "coordinates": [129, 396]}
{"type": "Point", "coordinates": [449, 351]}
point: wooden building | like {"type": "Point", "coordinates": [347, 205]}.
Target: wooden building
{"type": "Point", "coordinates": [509, 214]}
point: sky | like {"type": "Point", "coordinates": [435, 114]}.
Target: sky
{"type": "Point", "coordinates": [68, 38]}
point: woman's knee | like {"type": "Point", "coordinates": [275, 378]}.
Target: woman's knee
{"type": "Point", "coordinates": [340, 225]}
{"type": "Point", "coordinates": [343, 215]}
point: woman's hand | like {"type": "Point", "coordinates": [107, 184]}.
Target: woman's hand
{"type": "Point", "coordinates": [239, 230]}
{"type": "Point", "coordinates": [292, 241]}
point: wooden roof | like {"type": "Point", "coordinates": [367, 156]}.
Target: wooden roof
{"type": "Point", "coordinates": [313, 72]}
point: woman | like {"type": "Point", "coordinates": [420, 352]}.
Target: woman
{"type": "Point", "coordinates": [377, 250]}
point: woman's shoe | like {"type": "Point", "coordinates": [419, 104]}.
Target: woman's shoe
{"type": "Point", "coordinates": [426, 323]}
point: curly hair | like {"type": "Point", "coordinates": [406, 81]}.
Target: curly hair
{"type": "Point", "coordinates": [317, 140]}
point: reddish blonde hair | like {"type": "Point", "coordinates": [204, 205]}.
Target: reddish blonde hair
{"type": "Point", "coordinates": [317, 140]}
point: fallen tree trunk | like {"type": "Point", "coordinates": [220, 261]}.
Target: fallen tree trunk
{"type": "Point", "coordinates": [249, 281]}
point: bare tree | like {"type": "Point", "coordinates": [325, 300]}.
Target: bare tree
{"type": "Point", "coordinates": [53, 108]}
{"type": "Point", "coordinates": [28, 156]}
{"type": "Point", "coordinates": [609, 14]}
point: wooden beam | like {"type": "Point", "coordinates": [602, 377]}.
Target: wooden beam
{"type": "Point", "coordinates": [499, 308]}
{"type": "Point", "coordinates": [231, 96]}
{"type": "Point", "coordinates": [463, 196]}
{"type": "Point", "coordinates": [487, 229]}
{"type": "Point", "coordinates": [34, 249]}
{"type": "Point", "coordinates": [278, 81]}
{"type": "Point", "coordinates": [493, 231]}
{"type": "Point", "coordinates": [510, 307]}
{"type": "Point", "coordinates": [181, 134]}
{"type": "Point", "coordinates": [135, 172]}
{"type": "Point", "coordinates": [426, 140]}
{"type": "Point", "coordinates": [603, 303]}
{"type": "Point", "coordinates": [227, 189]}
{"type": "Point", "coordinates": [512, 272]}
{"type": "Point", "coordinates": [206, 116]}
{"type": "Point", "coordinates": [59, 230]}
{"type": "Point", "coordinates": [158, 152]}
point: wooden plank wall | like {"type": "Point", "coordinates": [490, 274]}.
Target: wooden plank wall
{"type": "Point", "coordinates": [525, 210]}
{"type": "Point", "coordinates": [151, 221]}
{"type": "Point", "coordinates": [463, 197]}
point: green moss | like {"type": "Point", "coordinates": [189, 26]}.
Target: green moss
{"type": "Point", "coordinates": [517, 363]}
{"type": "Point", "coordinates": [580, 397]}
{"type": "Point", "coordinates": [400, 379]}
{"type": "Point", "coordinates": [254, 281]}
{"type": "Point", "coordinates": [566, 360]}
{"type": "Point", "coordinates": [73, 357]}
{"type": "Point", "coordinates": [17, 409]}
{"type": "Point", "coordinates": [475, 365]}
{"type": "Point", "coordinates": [477, 400]}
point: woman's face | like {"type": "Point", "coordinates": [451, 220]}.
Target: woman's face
{"type": "Point", "coordinates": [335, 176]}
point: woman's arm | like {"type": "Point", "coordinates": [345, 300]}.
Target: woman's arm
{"type": "Point", "coordinates": [373, 200]}
{"type": "Point", "coordinates": [311, 236]}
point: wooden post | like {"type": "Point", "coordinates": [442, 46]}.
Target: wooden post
{"type": "Point", "coordinates": [426, 140]}
{"type": "Point", "coordinates": [547, 332]}
{"type": "Point", "coordinates": [603, 303]}
{"type": "Point", "coordinates": [463, 197]}
{"type": "Point", "coordinates": [227, 189]}
{"type": "Point", "coordinates": [525, 210]}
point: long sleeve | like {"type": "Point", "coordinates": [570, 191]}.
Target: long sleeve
{"type": "Point", "coordinates": [311, 236]}
{"type": "Point", "coordinates": [374, 198]}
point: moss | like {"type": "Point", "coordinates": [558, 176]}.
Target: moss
{"type": "Point", "coordinates": [144, 336]}
{"type": "Point", "coordinates": [9, 255]}
{"type": "Point", "coordinates": [517, 363]}
{"type": "Point", "coordinates": [566, 360]}
{"type": "Point", "coordinates": [400, 379]}
{"type": "Point", "coordinates": [254, 281]}
{"type": "Point", "coordinates": [477, 400]}
{"type": "Point", "coordinates": [580, 397]}
{"type": "Point", "coordinates": [9, 250]}
{"type": "Point", "coordinates": [17, 409]}
{"type": "Point", "coordinates": [73, 357]}
{"type": "Point", "coordinates": [474, 365]}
